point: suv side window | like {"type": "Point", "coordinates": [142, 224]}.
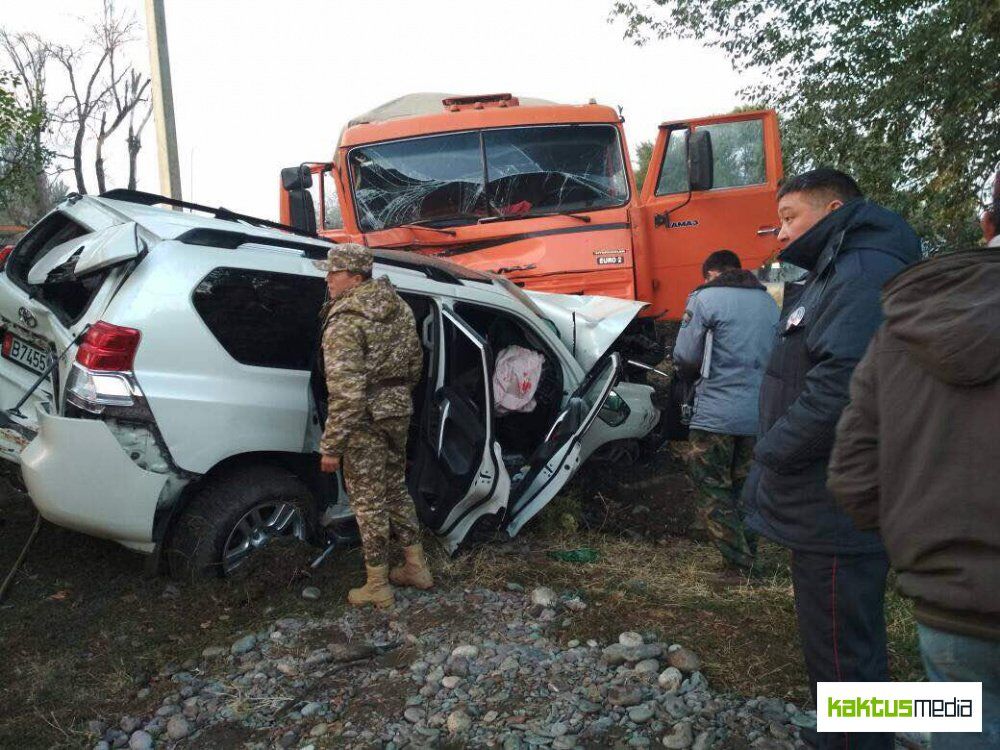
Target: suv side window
{"type": "Point", "coordinates": [262, 318]}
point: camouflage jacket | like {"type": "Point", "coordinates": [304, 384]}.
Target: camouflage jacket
{"type": "Point", "coordinates": [372, 358]}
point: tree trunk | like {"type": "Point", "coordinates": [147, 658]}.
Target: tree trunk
{"type": "Point", "coordinates": [134, 144]}
{"type": "Point", "coordinates": [81, 132]}
{"type": "Point", "coordinates": [99, 156]}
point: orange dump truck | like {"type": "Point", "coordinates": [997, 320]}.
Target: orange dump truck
{"type": "Point", "coordinates": [545, 194]}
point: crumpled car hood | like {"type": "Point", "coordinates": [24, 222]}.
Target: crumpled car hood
{"type": "Point", "coordinates": [588, 325]}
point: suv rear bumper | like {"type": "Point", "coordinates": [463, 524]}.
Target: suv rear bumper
{"type": "Point", "coordinates": [79, 477]}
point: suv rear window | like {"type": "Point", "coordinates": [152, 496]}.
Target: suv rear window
{"type": "Point", "coordinates": [263, 318]}
{"type": "Point", "coordinates": [67, 297]}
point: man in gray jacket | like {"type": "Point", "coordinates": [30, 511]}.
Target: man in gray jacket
{"type": "Point", "coordinates": [725, 341]}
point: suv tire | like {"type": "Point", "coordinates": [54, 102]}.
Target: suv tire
{"type": "Point", "coordinates": [240, 509]}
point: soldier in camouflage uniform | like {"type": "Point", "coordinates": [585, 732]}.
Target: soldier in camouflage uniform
{"type": "Point", "coordinates": [725, 340]}
{"type": "Point", "coordinates": [372, 358]}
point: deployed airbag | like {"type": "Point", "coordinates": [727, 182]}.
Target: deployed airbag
{"type": "Point", "coordinates": [515, 379]}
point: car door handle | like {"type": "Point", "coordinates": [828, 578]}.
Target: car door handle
{"type": "Point", "coordinates": [764, 231]}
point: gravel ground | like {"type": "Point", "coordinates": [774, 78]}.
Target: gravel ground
{"type": "Point", "coordinates": [474, 668]}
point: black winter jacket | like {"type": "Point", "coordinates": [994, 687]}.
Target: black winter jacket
{"type": "Point", "coordinates": [825, 326]}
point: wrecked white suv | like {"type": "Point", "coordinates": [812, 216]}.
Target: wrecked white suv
{"type": "Point", "coordinates": [177, 402]}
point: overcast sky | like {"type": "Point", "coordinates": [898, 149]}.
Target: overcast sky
{"type": "Point", "coordinates": [264, 84]}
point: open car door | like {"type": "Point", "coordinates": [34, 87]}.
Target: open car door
{"type": "Point", "coordinates": [458, 476]}
{"type": "Point", "coordinates": [559, 456]}
{"type": "Point", "coordinates": [711, 185]}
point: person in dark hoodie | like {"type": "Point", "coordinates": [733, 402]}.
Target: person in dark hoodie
{"type": "Point", "coordinates": [917, 458]}
{"type": "Point", "coordinates": [849, 248]}
{"type": "Point", "coordinates": [724, 341]}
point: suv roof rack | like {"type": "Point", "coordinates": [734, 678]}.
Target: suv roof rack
{"type": "Point", "coordinates": [152, 199]}
{"type": "Point", "coordinates": [434, 268]}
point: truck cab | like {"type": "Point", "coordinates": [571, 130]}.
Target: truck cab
{"type": "Point", "coordinates": [545, 195]}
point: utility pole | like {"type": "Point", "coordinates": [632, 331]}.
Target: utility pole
{"type": "Point", "coordinates": [163, 100]}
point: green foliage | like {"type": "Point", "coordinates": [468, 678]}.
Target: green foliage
{"type": "Point", "coordinates": [22, 157]}
{"type": "Point", "coordinates": [737, 157]}
{"type": "Point", "coordinates": [643, 153]}
{"type": "Point", "coordinates": [904, 95]}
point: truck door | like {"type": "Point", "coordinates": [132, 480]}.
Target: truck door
{"type": "Point", "coordinates": [736, 210]}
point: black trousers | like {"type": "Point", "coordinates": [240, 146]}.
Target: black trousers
{"type": "Point", "coordinates": [840, 605]}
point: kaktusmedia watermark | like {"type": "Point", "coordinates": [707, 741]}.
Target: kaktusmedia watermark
{"type": "Point", "coordinates": [899, 707]}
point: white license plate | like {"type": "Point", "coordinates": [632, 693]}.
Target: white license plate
{"type": "Point", "coordinates": [18, 350]}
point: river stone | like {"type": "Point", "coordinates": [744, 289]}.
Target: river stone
{"type": "Point", "coordinates": [178, 728]}
{"type": "Point", "coordinates": [458, 722]}
{"type": "Point", "coordinates": [311, 593]}
{"type": "Point", "coordinates": [614, 655]}
{"type": "Point", "coordinates": [414, 715]}
{"type": "Point", "coordinates": [140, 740]}
{"type": "Point", "coordinates": [244, 644]}
{"type": "Point", "coordinates": [543, 596]}
{"type": "Point", "coordinates": [620, 695]}
{"type": "Point", "coordinates": [647, 666]}
{"type": "Point", "coordinates": [310, 708]}
{"type": "Point", "coordinates": [629, 639]}
{"type": "Point", "coordinates": [680, 738]}
{"type": "Point", "coordinates": [686, 660]}
{"type": "Point", "coordinates": [465, 651]}
{"type": "Point", "coordinates": [640, 714]}
{"type": "Point", "coordinates": [645, 651]}
{"type": "Point", "coordinates": [670, 679]}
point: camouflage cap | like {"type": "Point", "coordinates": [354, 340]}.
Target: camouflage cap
{"type": "Point", "coordinates": [349, 256]}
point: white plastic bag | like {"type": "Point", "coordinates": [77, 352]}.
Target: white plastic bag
{"type": "Point", "coordinates": [515, 379]}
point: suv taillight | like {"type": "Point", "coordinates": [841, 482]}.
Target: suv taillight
{"type": "Point", "coordinates": [5, 252]}
{"type": "Point", "coordinates": [108, 348]}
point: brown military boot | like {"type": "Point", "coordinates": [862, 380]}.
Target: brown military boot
{"type": "Point", "coordinates": [376, 591]}
{"type": "Point", "coordinates": [414, 572]}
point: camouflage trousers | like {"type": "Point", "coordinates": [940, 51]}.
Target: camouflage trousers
{"type": "Point", "coordinates": [718, 466]}
{"type": "Point", "coordinates": [374, 467]}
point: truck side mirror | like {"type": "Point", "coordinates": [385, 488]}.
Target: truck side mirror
{"type": "Point", "coordinates": [700, 164]}
{"type": "Point", "coordinates": [296, 178]}
{"type": "Point", "coordinates": [301, 210]}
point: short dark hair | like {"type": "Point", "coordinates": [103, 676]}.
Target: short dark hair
{"type": "Point", "coordinates": [823, 183]}
{"type": "Point", "coordinates": [721, 260]}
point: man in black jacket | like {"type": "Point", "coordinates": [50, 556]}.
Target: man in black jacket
{"type": "Point", "coordinates": [849, 247]}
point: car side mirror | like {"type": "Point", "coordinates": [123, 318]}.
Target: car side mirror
{"type": "Point", "coordinates": [296, 178]}
{"type": "Point", "coordinates": [700, 164]}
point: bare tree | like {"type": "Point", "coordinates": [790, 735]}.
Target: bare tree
{"type": "Point", "coordinates": [102, 95]}
{"type": "Point", "coordinates": [123, 106]}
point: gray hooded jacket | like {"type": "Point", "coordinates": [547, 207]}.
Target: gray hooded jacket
{"type": "Point", "coordinates": [726, 335]}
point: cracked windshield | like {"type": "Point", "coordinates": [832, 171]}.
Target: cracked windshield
{"type": "Point", "coordinates": [499, 174]}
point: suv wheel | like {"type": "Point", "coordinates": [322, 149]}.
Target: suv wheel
{"type": "Point", "coordinates": [236, 514]}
